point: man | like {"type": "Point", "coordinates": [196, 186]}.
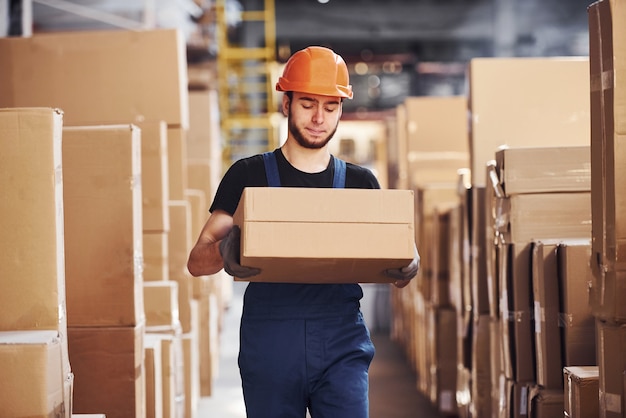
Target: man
{"type": "Point", "coordinates": [301, 345]}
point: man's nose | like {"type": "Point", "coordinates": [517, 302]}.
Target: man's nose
{"type": "Point", "coordinates": [318, 115]}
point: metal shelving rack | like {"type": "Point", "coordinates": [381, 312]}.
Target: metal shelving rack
{"type": "Point", "coordinates": [245, 81]}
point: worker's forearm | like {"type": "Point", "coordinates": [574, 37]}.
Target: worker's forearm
{"type": "Point", "coordinates": [205, 259]}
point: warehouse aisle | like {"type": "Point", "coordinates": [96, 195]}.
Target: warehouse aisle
{"type": "Point", "coordinates": [392, 383]}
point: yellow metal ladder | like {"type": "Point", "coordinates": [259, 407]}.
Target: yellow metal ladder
{"type": "Point", "coordinates": [245, 81]}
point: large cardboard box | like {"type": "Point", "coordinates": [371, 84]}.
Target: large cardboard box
{"type": "Point", "coordinates": [310, 235]}
{"type": "Point", "coordinates": [607, 43]}
{"type": "Point", "coordinates": [99, 77]}
{"type": "Point", "coordinates": [177, 162]}
{"type": "Point", "coordinates": [109, 370]}
{"type": "Point", "coordinates": [103, 225]}
{"type": "Point", "coordinates": [516, 312]}
{"type": "Point", "coordinates": [611, 344]}
{"type": "Point", "coordinates": [156, 256]}
{"type": "Point", "coordinates": [191, 362]}
{"type": "Point", "coordinates": [532, 102]}
{"type": "Point", "coordinates": [203, 139]}
{"type": "Point", "coordinates": [576, 319]}
{"type": "Point", "coordinates": [161, 302]}
{"type": "Point", "coordinates": [437, 135]}
{"type": "Point", "coordinates": [180, 237]}
{"type": "Point", "coordinates": [581, 391]}
{"type": "Point", "coordinates": [544, 403]}
{"type": "Point", "coordinates": [544, 170]}
{"type": "Point", "coordinates": [202, 175]}
{"type": "Point", "coordinates": [481, 387]}
{"type": "Point", "coordinates": [154, 176]}
{"type": "Point", "coordinates": [154, 378]}
{"type": "Point", "coordinates": [33, 379]}
{"type": "Point", "coordinates": [32, 256]}
{"type": "Point", "coordinates": [546, 298]}
{"type": "Point", "coordinates": [527, 217]}
{"type": "Point", "coordinates": [442, 329]}
{"type": "Point", "coordinates": [480, 248]}
{"type": "Point", "coordinates": [172, 369]}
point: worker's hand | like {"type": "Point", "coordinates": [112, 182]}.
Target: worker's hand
{"type": "Point", "coordinates": [230, 251]}
{"type": "Point", "coordinates": [405, 274]}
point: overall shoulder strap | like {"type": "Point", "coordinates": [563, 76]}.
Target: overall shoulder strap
{"type": "Point", "coordinates": [339, 179]}
{"type": "Point", "coordinates": [271, 169]}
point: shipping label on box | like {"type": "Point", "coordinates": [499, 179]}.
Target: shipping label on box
{"type": "Point", "coordinates": [310, 235]}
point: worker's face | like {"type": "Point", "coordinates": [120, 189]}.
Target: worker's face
{"type": "Point", "coordinates": [312, 119]}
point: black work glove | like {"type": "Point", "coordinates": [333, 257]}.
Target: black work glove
{"type": "Point", "coordinates": [230, 251]}
{"type": "Point", "coordinates": [408, 272]}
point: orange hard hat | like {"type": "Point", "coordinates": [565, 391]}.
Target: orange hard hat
{"type": "Point", "coordinates": [316, 70]}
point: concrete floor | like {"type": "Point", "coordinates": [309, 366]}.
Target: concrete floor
{"type": "Point", "coordinates": [393, 392]}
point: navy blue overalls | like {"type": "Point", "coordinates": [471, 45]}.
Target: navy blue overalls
{"type": "Point", "coordinates": [312, 353]}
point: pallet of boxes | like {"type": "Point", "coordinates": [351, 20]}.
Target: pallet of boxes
{"type": "Point", "coordinates": [36, 378]}
{"type": "Point", "coordinates": [428, 317]}
{"type": "Point", "coordinates": [109, 168]}
{"type": "Point", "coordinates": [531, 233]}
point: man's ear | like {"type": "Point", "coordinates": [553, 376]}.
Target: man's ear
{"type": "Point", "coordinates": [285, 106]}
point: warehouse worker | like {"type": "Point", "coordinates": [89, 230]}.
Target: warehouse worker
{"type": "Point", "coordinates": [301, 345]}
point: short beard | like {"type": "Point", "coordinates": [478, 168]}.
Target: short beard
{"type": "Point", "coordinates": [299, 136]}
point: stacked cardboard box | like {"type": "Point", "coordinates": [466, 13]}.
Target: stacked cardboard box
{"type": "Point", "coordinates": [430, 148]}
{"type": "Point", "coordinates": [124, 94]}
{"type": "Point", "coordinates": [581, 391]}
{"type": "Point", "coordinates": [487, 230]}
{"type": "Point", "coordinates": [36, 376]}
{"type": "Point", "coordinates": [531, 225]}
{"type": "Point", "coordinates": [514, 102]}
{"type": "Point", "coordinates": [607, 43]}
{"type": "Point", "coordinates": [103, 261]}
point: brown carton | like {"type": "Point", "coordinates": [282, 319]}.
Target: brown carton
{"type": "Point", "coordinates": [156, 256]}
{"type": "Point", "coordinates": [544, 170]}
{"type": "Point", "coordinates": [581, 391]}
{"type": "Point", "coordinates": [109, 370]}
{"type": "Point", "coordinates": [516, 312]}
{"type": "Point", "coordinates": [532, 102]}
{"type": "Point", "coordinates": [154, 378]}
{"type": "Point", "coordinates": [161, 302]}
{"type": "Point", "coordinates": [611, 344]}
{"type": "Point", "coordinates": [33, 378]}
{"type": "Point", "coordinates": [545, 403]}
{"type": "Point", "coordinates": [154, 176]}
{"type": "Point", "coordinates": [177, 162]}
{"type": "Point", "coordinates": [546, 297]}
{"type": "Point", "coordinates": [203, 139]}
{"type": "Point", "coordinates": [311, 235]}
{"type": "Point", "coordinates": [576, 320]}
{"type": "Point", "coordinates": [607, 43]}
{"type": "Point", "coordinates": [99, 77]}
{"type": "Point", "coordinates": [172, 372]}
{"type": "Point", "coordinates": [527, 217]}
{"type": "Point", "coordinates": [437, 135]}
{"type": "Point", "coordinates": [103, 225]}
{"type": "Point", "coordinates": [32, 256]}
